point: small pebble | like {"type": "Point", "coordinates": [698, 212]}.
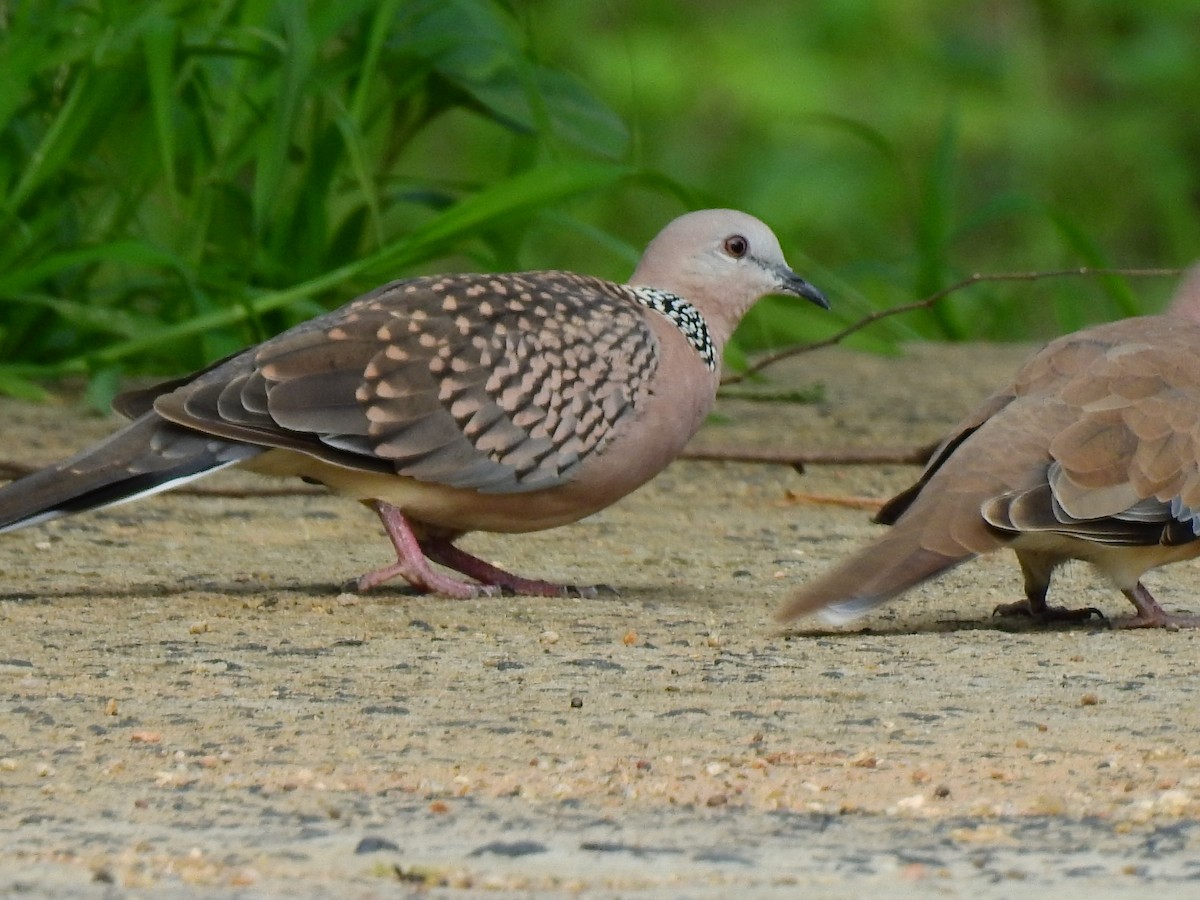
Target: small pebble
{"type": "Point", "coordinates": [1174, 802]}
{"type": "Point", "coordinates": [576, 702]}
{"type": "Point", "coordinates": [509, 848]}
{"type": "Point", "coordinates": [244, 878]}
{"type": "Point", "coordinates": [916, 801]}
{"type": "Point", "coordinates": [375, 845]}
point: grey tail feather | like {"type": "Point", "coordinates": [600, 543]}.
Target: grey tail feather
{"type": "Point", "coordinates": [870, 577]}
{"type": "Point", "coordinates": [145, 457]}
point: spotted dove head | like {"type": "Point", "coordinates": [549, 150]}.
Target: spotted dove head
{"type": "Point", "coordinates": [721, 261]}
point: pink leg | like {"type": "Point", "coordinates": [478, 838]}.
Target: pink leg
{"type": "Point", "coordinates": [1150, 614]}
{"type": "Point", "coordinates": [444, 552]}
{"type": "Point", "coordinates": [411, 563]}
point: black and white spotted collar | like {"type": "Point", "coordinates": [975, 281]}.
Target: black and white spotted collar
{"type": "Point", "coordinates": [685, 317]}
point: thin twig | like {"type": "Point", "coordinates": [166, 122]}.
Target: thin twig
{"type": "Point", "coordinates": [932, 300]}
{"type": "Point", "coordinates": [798, 459]}
{"type": "Point", "coordinates": [850, 502]}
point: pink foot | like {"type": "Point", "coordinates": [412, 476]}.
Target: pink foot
{"type": "Point", "coordinates": [444, 552]}
{"type": "Point", "coordinates": [413, 559]}
{"type": "Point", "coordinates": [1151, 615]}
{"type": "Point", "coordinates": [411, 564]}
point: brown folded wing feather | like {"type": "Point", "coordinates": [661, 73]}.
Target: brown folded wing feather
{"type": "Point", "coordinates": [501, 385]}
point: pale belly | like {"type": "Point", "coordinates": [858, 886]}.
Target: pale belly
{"type": "Point", "coordinates": [458, 509]}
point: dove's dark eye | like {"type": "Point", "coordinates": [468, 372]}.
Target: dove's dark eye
{"type": "Point", "coordinates": [737, 246]}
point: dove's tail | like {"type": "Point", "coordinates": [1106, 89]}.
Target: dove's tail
{"type": "Point", "coordinates": [145, 457]}
{"type": "Point", "coordinates": [873, 575]}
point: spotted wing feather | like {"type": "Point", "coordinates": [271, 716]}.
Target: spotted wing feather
{"type": "Point", "coordinates": [497, 383]}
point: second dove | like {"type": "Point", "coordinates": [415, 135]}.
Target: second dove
{"type": "Point", "coordinates": [1092, 452]}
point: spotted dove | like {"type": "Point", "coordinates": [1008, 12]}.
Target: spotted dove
{"type": "Point", "coordinates": [455, 403]}
{"type": "Point", "coordinates": [1091, 453]}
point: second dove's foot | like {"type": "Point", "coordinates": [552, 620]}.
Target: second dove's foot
{"type": "Point", "coordinates": [1048, 613]}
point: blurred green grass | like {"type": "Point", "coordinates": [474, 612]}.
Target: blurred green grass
{"type": "Point", "coordinates": [180, 178]}
{"type": "Point", "coordinates": [906, 145]}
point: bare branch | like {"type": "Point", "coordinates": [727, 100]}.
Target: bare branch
{"type": "Point", "coordinates": [932, 300]}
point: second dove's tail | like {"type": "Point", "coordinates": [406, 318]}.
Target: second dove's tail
{"type": "Point", "coordinates": [147, 456]}
{"type": "Point", "coordinates": [873, 575]}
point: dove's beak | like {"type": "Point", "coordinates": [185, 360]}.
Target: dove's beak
{"type": "Point", "coordinates": [791, 283]}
